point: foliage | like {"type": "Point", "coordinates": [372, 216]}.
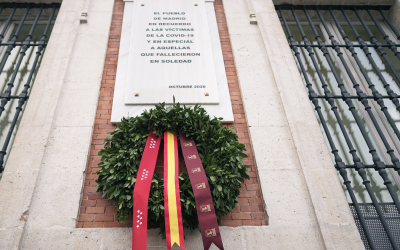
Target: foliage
{"type": "Point", "coordinates": [219, 150]}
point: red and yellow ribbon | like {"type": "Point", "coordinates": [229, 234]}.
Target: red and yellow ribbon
{"type": "Point", "coordinates": [172, 201]}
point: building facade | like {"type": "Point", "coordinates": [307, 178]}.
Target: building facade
{"type": "Point", "coordinates": [297, 197]}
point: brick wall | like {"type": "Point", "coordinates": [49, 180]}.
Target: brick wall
{"type": "Point", "coordinates": [98, 212]}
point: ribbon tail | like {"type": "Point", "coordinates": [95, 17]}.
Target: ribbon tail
{"type": "Point", "coordinates": [204, 204]}
{"type": "Point", "coordinates": [172, 201]}
{"type": "Point", "coordinates": [142, 191]}
{"type": "Point", "coordinates": [217, 243]}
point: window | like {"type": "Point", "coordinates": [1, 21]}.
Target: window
{"type": "Point", "coordinates": [24, 32]}
{"type": "Point", "coordinates": [349, 61]}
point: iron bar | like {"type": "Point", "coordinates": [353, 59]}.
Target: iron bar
{"type": "Point", "coordinates": [378, 99]}
{"type": "Point", "coordinates": [5, 96]}
{"type": "Point", "coordinates": [23, 96]}
{"type": "Point", "coordinates": [380, 48]}
{"type": "Point", "coordinates": [20, 44]}
{"type": "Point", "coordinates": [385, 36]}
{"type": "Point", "coordinates": [339, 163]}
{"type": "Point", "coordinates": [360, 166]}
{"type": "Point", "coordinates": [333, 7]}
{"type": "Point", "coordinates": [389, 42]}
{"type": "Point", "coordinates": [389, 91]}
{"type": "Point", "coordinates": [357, 97]}
{"type": "Point", "coordinates": [26, 44]}
{"type": "Point", "coordinates": [389, 23]}
{"type": "Point", "coordinates": [7, 23]}
{"type": "Point", "coordinates": [13, 41]}
{"type": "Point", "coordinates": [378, 96]}
{"type": "Point", "coordinates": [345, 46]}
{"type": "Point", "coordinates": [369, 166]}
{"type": "Point", "coordinates": [378, 165]}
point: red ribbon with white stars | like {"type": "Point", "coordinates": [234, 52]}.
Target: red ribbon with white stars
{"type": "Point", "coordinates": [142, 191]}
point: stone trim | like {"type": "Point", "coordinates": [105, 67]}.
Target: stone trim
{"type": "Point", "coordinates": [42, 182]}
{"type": "Point", "coordinates": [299, 182]}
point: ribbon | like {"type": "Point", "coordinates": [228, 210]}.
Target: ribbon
{"type": "Point", "coordinates": [202, 194]}
{"type": "Point", "coordinates": [172, 201]}
{"type": "Point", "coordinates": [173, 215]}
{"type": "Point", "coordinates": [142, 191]}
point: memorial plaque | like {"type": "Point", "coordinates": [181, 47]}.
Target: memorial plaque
{"type": "Point", "coordinates": [170, 54]}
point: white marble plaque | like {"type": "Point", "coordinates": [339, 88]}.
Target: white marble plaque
{"type": "Point", "coordinates": [170, 54]}
{"type": "Point", "coordinates": [121, 109]}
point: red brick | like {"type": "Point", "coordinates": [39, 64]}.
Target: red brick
{"type": "Point", "coordinates": [250, 194]}
{"type": "Point", "coordinates": [227, 217]}
{"type": "Point", "coordinates": [88, 203]}
{"type": "Point", "coordinates": [104, 217]}
{"type": "Point", "coordinates": [86, 217]}
{"type": "Point", "coordinates": [250, 208]}
{"type": "Point", "coordinates": [111, 210]}
{"type": "Point", "coordinates": [95, 210]}
{"type": "Point", "coordinates": [255, 201]}
{"type": "Point", "coordinates": [258, 216]}
{"type": "Point", "coordinates": [241, 216]}
{"type": "Point", "coordinates": [252, 187]}
{"type": "Point", "coordinates": [248, 181]}
{"type": "Point", "coordinates": [89, 189]}
{"type": "Point", "coordinates": [94, 196]}
{"type": "Point", "coordinates": [243, 201]}
{"type": "Point", "coordinates": [105, 203]}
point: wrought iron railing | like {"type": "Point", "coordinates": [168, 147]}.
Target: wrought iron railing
{"type": "Point", "coordinates": [364, 89]}
{"type": "Point", "coordinates": [14, 18]}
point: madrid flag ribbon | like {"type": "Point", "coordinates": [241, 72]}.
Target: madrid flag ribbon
{"type": "Point", "coordinates": [142, 191]}
{"type": "Point", "coordinates": [172, 199]}
{"type": "Point", "coordinates": [202, 194]}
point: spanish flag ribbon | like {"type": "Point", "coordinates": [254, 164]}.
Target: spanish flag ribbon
{"type": "Point", "coordinates": [142, 191]}
{"type": "Point", "coordinates": [172, 201]}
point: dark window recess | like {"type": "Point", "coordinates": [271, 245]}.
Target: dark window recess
{"type": "Point", "coordinates": [24, 32]}
{"type": "Point", "coordinates": [348, 57]}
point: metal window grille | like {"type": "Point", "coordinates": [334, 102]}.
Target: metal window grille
{"type": "Point", "coordinates": [342, 68]}
{"type": "Point", "coordinates": [24, 31]}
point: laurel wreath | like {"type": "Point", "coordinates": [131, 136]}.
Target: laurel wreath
{"type": "Point", "coordinates": [219, 151]}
